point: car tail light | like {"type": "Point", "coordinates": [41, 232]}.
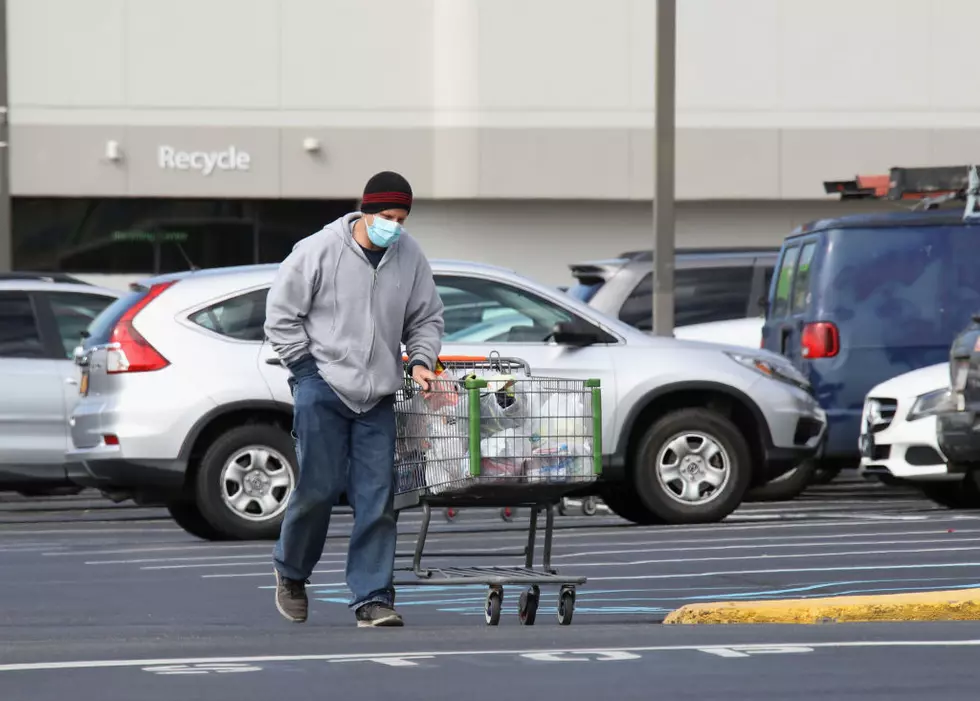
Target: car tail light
{"type": "Point", "coordinates": [128, 350]}
{"type": "Point", "coordinates": [820, 339]}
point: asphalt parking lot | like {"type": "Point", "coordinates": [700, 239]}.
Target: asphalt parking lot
{"type": "Point", "coordinates": [106, 597]}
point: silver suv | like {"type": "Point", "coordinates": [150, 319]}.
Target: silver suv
{"type": "Point", "coordinates": [185, 403]}
{"type": "Point", "coordinates": [42, 317]}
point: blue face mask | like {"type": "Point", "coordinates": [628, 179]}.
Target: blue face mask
{"type": "Point", "coordinates": [384, 232]}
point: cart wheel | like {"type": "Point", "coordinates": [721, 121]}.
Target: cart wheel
{"type": "Point", "coordinates": [450, 514]}
{"type": "Point", "coordinates": [494, 599]}
{"type": "Point", "coordinates": [527, 609]}
{"type": "Point", "coordinates": [589, 506]}
{"type": "Point", "coordinates": [507, 514]}
{"type": "Point", "coordinates": [566, 605]}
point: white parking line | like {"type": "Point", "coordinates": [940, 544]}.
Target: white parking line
{"type": "Point", "coordinates": [223, 564]}
{"type": "Point", "coordinates": [269, 573]}
{"type": "Point", "coordinates": [686, 560]}
{"type": "Point", "coordinates": [781, 556]}
{"type": "Point", "coordinates": [783, 570]}
{"type": "Point", "coordinates": [827, 544]}
{"type": "Point", "coordinates": [104, 664]}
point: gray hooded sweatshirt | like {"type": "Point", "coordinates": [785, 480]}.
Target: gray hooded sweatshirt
{"type": "Point", "coordinates": [327, 301]}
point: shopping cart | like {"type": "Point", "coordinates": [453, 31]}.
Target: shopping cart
{"type": "Point", "coordinates": [489, 433]}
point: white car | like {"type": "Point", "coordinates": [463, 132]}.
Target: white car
{"type": "Point", "coordinates": [898, 427]}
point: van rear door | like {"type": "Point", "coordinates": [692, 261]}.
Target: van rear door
{"type": "Point", "coordinates": [789, 301]}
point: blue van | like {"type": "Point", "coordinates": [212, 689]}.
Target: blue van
{"type": "Point", "coordinates": [861, 299]}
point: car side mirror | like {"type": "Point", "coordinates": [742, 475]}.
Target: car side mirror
{"type": "Point", "coordinates": [575, 334]}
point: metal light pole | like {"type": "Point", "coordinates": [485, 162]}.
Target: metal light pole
{"type": "Point", "coordinates": [6, 234]}
{"type": "Point", "coordinates": [663, 160]}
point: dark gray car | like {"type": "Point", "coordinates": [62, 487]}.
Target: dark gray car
{"type": "Point", "coordinates": [714, 284]}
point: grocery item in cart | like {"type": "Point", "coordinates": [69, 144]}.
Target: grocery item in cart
{"type": "Point", "coordinates": [559, 415]}
{"type": "Point", "coordinates": [447, 457]}
{"type": "Point", "coordinates": [501, 405]}
{"type": "Point", "coordinates": [557, 462]}
{"type": "Point", "coordinates": [502, 454]}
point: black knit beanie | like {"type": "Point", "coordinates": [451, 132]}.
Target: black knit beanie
{"type": "Point", "coordinates": [386, 190]}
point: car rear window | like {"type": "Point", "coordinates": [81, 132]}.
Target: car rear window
{"type": "Point", "coordinates": [101, 327]}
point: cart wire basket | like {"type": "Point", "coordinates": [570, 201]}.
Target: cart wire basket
{"type": "Point", "coordinates": [489, 433]}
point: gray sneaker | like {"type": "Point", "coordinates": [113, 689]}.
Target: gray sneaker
{"type": "Point", "coordinates": [377, 615]}
{"type": "Point", "coordinates": [291, 598]}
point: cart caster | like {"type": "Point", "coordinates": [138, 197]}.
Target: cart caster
{"type": "Point", "coordinates": [566, 605]}
{"type": "Point", "coordinates": [450, 514]}
{"type": "Point", "coordinates": [494, 601]}
{"type": "Point", "coordinates": [527, 609]}
{"type": "Point", "coordinates": [589, 506]}
{"type": "Point", "coordinates": [507, 514]}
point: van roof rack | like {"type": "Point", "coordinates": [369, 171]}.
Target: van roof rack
{"type": "Point", "coordinates": [928, 187]}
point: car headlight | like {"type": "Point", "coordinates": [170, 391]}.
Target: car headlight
{"type": "Point", "coordinates": [931, 403]}
{"type": "Point", "coordinates": [784, 372]}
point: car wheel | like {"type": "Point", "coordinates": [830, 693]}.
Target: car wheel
{"type": "Point", "coordinates": [625, 503]}
{"type": "Point", "coordinates": [244, 481]}
{"type": "Point", "coordinates": [692, 466]}
{"type": "Point", "coordinates": [825, 473]}
{"type": "Point", "coordinates": [787, 486]}
{"type": "Point", "coordinates": [963, 494]}
{"type": "Point", "coordinates": [186, 515]}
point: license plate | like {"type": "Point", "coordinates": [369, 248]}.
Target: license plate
{"type": "Point", "coordinates": [83, 385]}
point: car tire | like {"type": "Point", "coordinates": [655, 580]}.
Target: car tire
{"type": "Point", "coordinates": [698, 429]}
{"type": "Point", "coordinates": [229, 496]}
{"type": "Point", "coordinates": [963, 494]}
{"type": "Point", "coordinates": [186, 515]}
{"type": "Point", "coordinates": [825, 473]}
{"type": "Point", "coordinates": [625, 503]}
{"type": "Point", "coordinates": [786, 487]}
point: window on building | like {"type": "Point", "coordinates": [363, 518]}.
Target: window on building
{"type": "Point", "coordinates": [241, 317]}
{"type": "Point", "coordinates": [143, 235]}
{"type": "Point", "coordinates": [20, 336]}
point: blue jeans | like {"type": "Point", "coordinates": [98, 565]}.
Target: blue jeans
{"type": "Point", "coordinates": [337, 449]}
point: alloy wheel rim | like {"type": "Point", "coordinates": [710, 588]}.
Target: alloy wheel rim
{"type": "Point", "coordinates": [256, 483]}
{"type": "Point", "coordinates": [693, 468]}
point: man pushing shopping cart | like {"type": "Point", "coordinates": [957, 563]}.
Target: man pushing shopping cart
{"type": "Point", "coordinates": [337, 312]}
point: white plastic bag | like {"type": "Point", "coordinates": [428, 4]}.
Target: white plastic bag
{"type": "Point", "coordinates": [502, 406]}
{"type": "Point", "coordinates": [447, 455]}
{"type": "Point", "coordinates": [559, 417]}
{"type": "Point", "coordinates": [502, 455]}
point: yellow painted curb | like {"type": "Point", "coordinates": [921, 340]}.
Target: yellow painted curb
{"type": "Point", "coordinates": [961, 605]}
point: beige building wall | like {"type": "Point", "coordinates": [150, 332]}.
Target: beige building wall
{"type": "Point", "coordinates": [481, 99]}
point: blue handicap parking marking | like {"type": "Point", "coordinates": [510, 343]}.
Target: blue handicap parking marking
{"type": "Point", "coordinates": [470, 599]}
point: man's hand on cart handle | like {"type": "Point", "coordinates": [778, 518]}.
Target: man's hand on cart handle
{"type": "Point", "coordinates": [423, 376]}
